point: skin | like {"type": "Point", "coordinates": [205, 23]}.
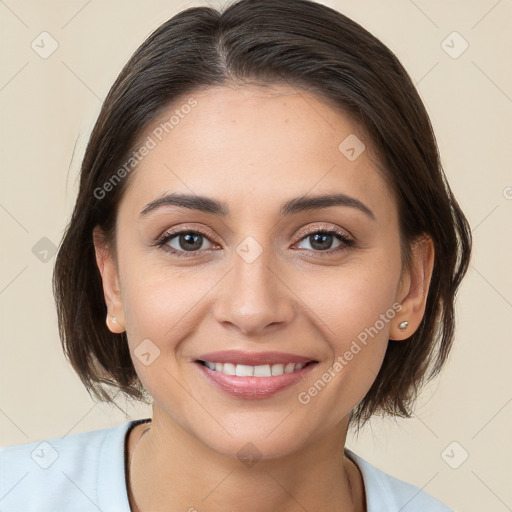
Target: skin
{"type": "Point", "coordinates": [254, 148]}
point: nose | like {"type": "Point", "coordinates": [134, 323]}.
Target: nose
{"type": "Point", "coordinates": [254, 297]}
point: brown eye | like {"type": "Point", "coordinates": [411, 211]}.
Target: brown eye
{"type": "Point", "coordinates": [321, 240]}
{"type": "Point", "coordinates": [181, 242]}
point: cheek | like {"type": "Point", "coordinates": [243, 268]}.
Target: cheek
{"type": "Point", "coordinates": [160, 311]}
{"type": "Point", "coordinates": [160, 304]}
{"type": "Point", "coordinates": [166, 305]}
{"type": "Point", "coordinates": [353, 310]}
{"type": "Point", "coordinates": [354, 299]}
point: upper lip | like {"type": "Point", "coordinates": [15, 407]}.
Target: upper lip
{"type": "Point", "coordinates": [253, 358]}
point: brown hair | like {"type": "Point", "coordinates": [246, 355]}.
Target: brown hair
{"type": "Point", "coordinates": [311, 47]}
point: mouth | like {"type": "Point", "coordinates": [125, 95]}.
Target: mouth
{"type": "Point", "coordinates": [253, 375]}
{"type": "Point", "coordinates": [264, 370]}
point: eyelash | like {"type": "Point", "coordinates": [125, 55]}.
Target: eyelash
{"type": "Point", "coordinates": [347, 242]}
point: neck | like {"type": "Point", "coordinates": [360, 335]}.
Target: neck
{"type": "Point", "coordinates": [170, 469]}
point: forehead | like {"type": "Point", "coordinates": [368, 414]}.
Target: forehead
{"type": "Point", "coordinates": [254, 146]}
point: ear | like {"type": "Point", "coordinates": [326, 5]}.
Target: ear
{"type": "Point", "coordinates": [413, 289]}
{"type": "Point", "coordinates": [109, 275]}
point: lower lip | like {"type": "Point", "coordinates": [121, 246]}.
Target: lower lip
{"type": "Point", "coordinates": [253, 387]}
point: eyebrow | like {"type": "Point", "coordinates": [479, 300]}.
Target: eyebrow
{"type": "Point", "coordinates": [290, 207]}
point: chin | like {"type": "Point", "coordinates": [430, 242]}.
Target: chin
{"type": "Point", "coordinates": [254, 447]}
{"type": "Point", "coordinates": [243, 434]}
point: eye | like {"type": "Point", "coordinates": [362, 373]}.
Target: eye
{"type": "Point", "coordinates": [320, 240]}
{"type": "Point", "coordinates": [188, 243]}
{"type": "Point", "coordinates": [179, 243]}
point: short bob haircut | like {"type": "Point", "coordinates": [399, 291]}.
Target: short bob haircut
{"type": "Point", "coordinates": [312, 48]}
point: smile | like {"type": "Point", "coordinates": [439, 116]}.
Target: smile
{"type": "Point", "coordinates": [254, 376]}
{"type": "Point", "coordinates": [264, 370]}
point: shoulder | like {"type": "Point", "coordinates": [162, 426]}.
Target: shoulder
{"type": "Point", "coordinates": [62, 472]}
{"type": "Point", "coordinates": [385, 493]}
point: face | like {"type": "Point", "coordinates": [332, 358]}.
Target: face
{"type": "Point", "coordinates": [262, 284]}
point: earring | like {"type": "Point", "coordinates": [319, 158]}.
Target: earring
{"type": "Point", "coordinates": [113, 319]}
{"type": "Point", "coordinates": [403, 325]}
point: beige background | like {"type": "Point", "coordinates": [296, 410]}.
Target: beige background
{"type": "Point", "coordinates": [49, 105]}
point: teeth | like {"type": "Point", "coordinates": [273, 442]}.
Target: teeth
{"type": "Point", "coordinates": [243, 370]}
{"type": "Point", "coordinates": [228, 368]}
{"type": "Point", "coordinates": [289, 368]}
{"type": "Point", "coordinates": [277, 369]}
{"type": "Point", "coordinates": [263, 371]}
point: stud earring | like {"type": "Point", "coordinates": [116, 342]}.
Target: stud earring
{"type": "Point", "coordinates": [114, 320]}
{"type": "Point", "coordinates": [403, 325]}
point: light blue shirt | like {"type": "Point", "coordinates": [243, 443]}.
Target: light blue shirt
{"type": "Point", "coordinates": [85, 472]}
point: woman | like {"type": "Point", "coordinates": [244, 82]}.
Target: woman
{"type": "Point", "coordinates": [264, 246]}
